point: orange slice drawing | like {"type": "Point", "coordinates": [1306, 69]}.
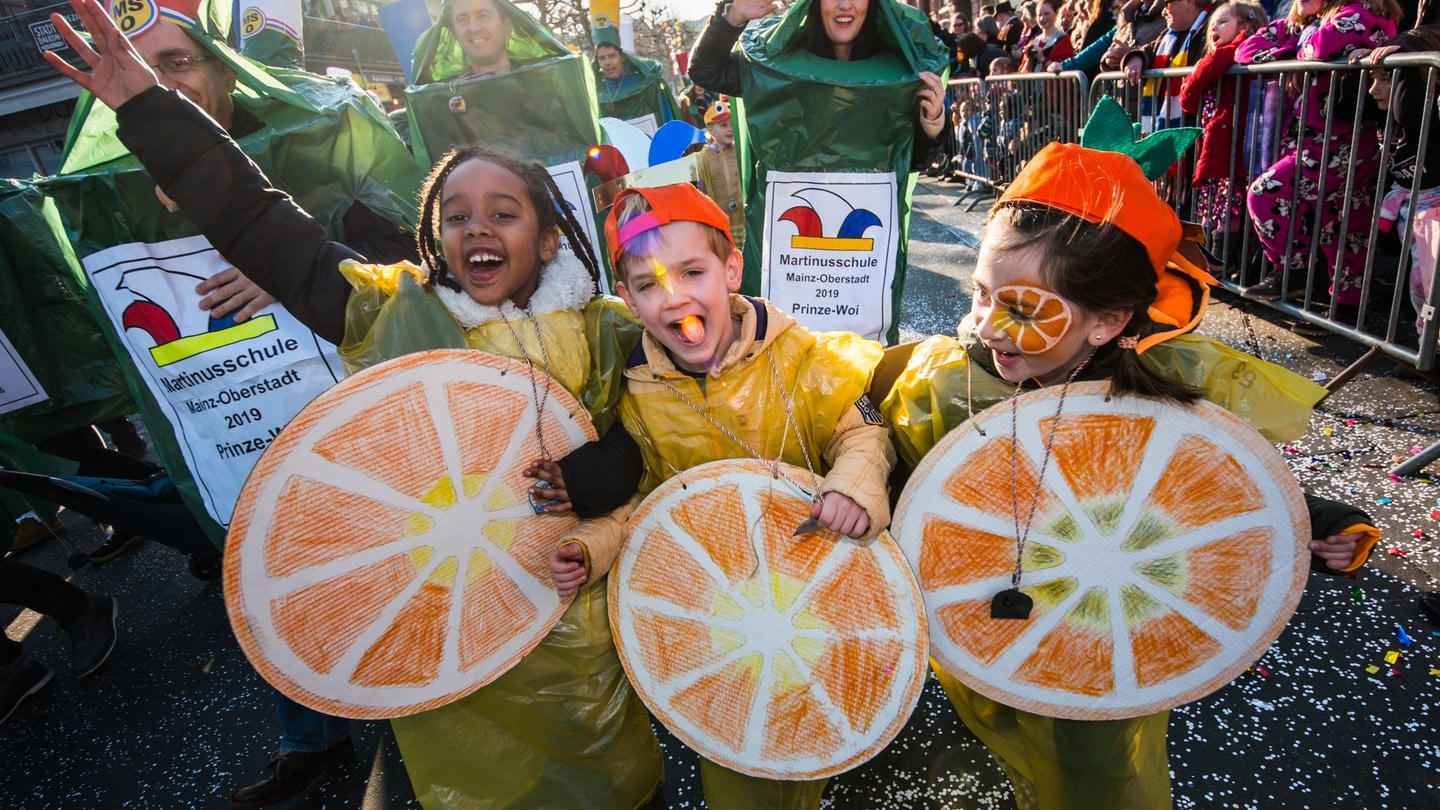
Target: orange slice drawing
{"type": "Point", "coordinates": [777, 656]}
{"type": "Point", "coordinates": [384, 558]}
{"type": "Point", "coordinates": [1167, 551]}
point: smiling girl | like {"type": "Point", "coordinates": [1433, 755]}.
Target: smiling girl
{"type": "Point", "coordinates": [1079, 278]}
{"type": "Point", "coordinates": [562, 728]}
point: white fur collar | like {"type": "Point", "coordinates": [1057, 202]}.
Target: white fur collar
{"type": "Point", "coordinates": [564, 284]}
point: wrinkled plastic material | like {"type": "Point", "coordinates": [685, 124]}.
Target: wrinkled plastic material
{"type": "Point", "coordinates": [731, 790]}
{"type": "Point", "coordinates": [324, 142]}
{"type": "Point", "coordinates": [823, 392]}
{"type": "Point", "coordinates": [44, 313]}
{"type": "Point", "coordinates": [805, 113]}
{"type": "Point", "coordinates": [940, 389]}
{"type": "Point", "coordinates": [390, 313]}
{"type": "Point", "coordinates": [1056, 764]}
{"type": "Point", "coordinates": [542, 109]}
{"type": "Point", "coordinates": [563, 728]}
{"type": "Point", "coordinates": [651, 95]}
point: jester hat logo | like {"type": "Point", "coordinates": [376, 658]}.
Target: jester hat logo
{"type": "Point", "coordinates": [135, 17]}
{"type": "Point", "coordinates": [824, 207]}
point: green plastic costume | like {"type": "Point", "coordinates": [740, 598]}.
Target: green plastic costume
{"type": "Point", "coordinates": [44, 314]}
{"type": "Point", "coordinates": [542, 109]}
{"type": "Point", "coordinates": [323, 141]}
{"type": "Point", "coordinates": [858, 119]}
{"type": "Point", "coordinates": [563, 727]}
{"type": "Point", "coordinates": [1052, 763]}
{"type": "Point", "coordinates": [648, 95]}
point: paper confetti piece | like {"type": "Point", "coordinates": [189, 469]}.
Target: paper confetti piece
{"type": "Point", "coordinates": [1386, 501]}
{"type": "Point", "coordinates": [1357, 594]}
{"type": "Point", "coordinates": [1434, 671]}
{"type": "Point", "coordinates": [1403, 637]}
{"type": "Point", "coordinates": [1392, 656]}
{"type": "Point", "coordinates": [1372, 669]}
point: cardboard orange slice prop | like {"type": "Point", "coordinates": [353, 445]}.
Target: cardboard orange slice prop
{"type": "Point", "coordinates": [1167, 551]}
{"type": "Point", "coordinates": [777, 656]}
{"type": "Point", "coordinates": [384, 557]}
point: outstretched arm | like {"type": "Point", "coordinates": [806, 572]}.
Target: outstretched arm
{"type": "Point", "coordinates": [117, 73]}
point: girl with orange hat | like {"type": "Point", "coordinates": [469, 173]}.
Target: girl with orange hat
{"type": "Point", "coordinates": [1081, 277]}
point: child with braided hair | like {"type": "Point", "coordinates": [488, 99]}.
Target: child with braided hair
{"type": "Point", "coordinates": [562, 728]}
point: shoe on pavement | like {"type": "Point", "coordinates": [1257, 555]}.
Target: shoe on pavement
{"type": "Point", "coordinates": [19, 680]}
{"type": "Point", "coordinates": [29, 531]}
{"type": "Point", "coordinates": [290, 773]}
{"type": "Point", "coordinates": [1430, 606]}
{"type": "Point", "coordinates": [1269, 288]}
{"type": "Point", "coordinates": [92, 634]}
{"type": "Point", "coordinates": [118, 543]}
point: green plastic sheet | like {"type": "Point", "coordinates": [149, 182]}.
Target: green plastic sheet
{"type": "Point", "coordinates": [649, 96]}
{"type": "Point", "coordinates": [852, 121]}
{"type": "Point", "coordinates": [543, 109]}
{"type": "Point", "coordinates": [43, 311]}
{"type": "Point", "coordinates": [323, 141]}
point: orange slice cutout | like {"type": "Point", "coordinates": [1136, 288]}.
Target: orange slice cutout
{"type": "Point", "coordinates": [1181, 552]}
{"type": "Point", "coordinates": [777, 656]}
{"type": "Point", "coordinates": [383, 558]}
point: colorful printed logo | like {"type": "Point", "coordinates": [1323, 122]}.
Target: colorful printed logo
{"type": "Point", "coordinates": [825, 207]}
{"type": "Point", "coordinates": [135, 17]}
{"type": "Point", "coordinates": [163, 327]}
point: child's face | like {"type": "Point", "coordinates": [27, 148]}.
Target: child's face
{"type": "Point", "coordinates": [681, 292]}
{"type": "Point", "coordinates": [1030, 330]}
{"type": "Point", "coordinates": [1223, 28]}
{"type": "Point", "coordinates": [490, 233]}
{"type": "Point", "coordinates": [722, 132]}
{"type": "Point", "coordinates": [1380, 87]}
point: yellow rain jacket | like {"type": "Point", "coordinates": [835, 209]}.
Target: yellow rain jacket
{"type": "Point", "coordinates": [774, 367]}
{"type": "Point", "coordinates": [563, 727]}
{"type": "Point", "coordinates": [1052, 763]}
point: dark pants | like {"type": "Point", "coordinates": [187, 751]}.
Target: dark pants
{"type": "Point", "coordinates": [39, 590]}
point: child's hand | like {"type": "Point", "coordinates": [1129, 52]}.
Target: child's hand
{"type": "Point", "coordinates": [229, 291]}
{"type": "Point", "coordinates": [567, 566]}
{"type": "Point", "coordinates": [549, 472]}
{"type": "Point", "coordinates": [1336, 550]}
{"type": "Point", "coordinates": [840, 513]}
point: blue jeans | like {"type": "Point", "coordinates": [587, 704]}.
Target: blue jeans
{"type": "Point", "coordinates": [304, 730]}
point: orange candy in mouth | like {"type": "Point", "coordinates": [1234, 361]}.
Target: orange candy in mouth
{"type": "Point", "coordinates": [692, 328]}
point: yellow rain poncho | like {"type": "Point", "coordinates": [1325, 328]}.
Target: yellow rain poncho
{"type": "Point", "coordinates": [563, 728]}
{"type": "Point", "coordinates": [1053, 763]}
{"type": "Point", "coordinates": [820, 380]}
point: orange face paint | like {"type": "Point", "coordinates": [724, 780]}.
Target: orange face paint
{"type": "Point", "coordinates": [1034, 318]}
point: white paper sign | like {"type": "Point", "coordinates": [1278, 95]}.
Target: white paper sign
{"type": "Point", "coordinates": [18, 386]}
{"type": "Point", "coordinates": [646, 123]}
{"type": "Point", "coordinates": [227, 389]}
{"type": "Point", "coordinates": [831, 239]}
{"type": "Point", "coordinates": [570, 179]}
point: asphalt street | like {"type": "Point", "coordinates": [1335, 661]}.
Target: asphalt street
{"type": "Point", "coordinates": [1337, 713]}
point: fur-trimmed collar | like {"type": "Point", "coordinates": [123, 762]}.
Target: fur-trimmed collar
{"type": "Point", "coordinates": [564, 284]}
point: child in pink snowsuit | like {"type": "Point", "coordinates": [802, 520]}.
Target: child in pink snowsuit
{"type": "Point", "coordinates": [1328, 30]}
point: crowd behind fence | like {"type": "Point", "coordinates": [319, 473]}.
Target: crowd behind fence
{"type": "Point", "coordinates": [1382, 298]}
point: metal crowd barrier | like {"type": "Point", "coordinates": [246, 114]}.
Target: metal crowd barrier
{"type": "Point", "coordinates": [1001, 122]}
{"type": "Point", "coordinates": [1383, 318]}
{"type": "Point", "coordinates": [1268, 102]}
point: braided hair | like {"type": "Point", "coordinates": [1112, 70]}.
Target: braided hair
{"type": "Point", "coordinates": [550, 207]}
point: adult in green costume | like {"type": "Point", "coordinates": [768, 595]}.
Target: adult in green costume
{"type": "Point", "coordinates": [324, 141]}
{"type": "Point", "coordinates": [489, 73]}
{"type": "Point", "coordinates": [840, 102]}
{"type": "Point", "coordinates": [631, 88]}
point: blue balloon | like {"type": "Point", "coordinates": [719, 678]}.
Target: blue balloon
{"type": "Point", "coordinates": [671, 141]}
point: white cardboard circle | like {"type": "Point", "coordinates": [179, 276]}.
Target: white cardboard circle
{"type": "Point", "coordinates": [717, 608]}
{"type": "Point", "coordinates": [348, 537]}
{"type": "Point", "coordinates": [1197, 601]}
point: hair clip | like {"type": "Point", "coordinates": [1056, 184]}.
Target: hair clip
{"type": "Point", "coordinates": [1128, 342]}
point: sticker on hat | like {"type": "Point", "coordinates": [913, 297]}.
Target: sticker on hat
{"type": "Point", "coordinates": [135, 17]}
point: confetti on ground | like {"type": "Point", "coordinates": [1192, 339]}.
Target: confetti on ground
{"type": "Point", "coordinates": [1392, 656]}
{"type": "Point", "coordinates": [1403, 637]}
